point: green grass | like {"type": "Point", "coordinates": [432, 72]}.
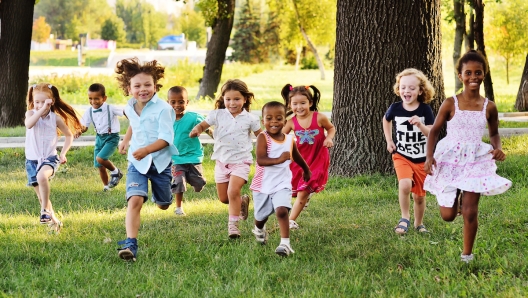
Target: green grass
{"type": "Point", "coordinates": [512, 124]}
{"type": "Point", "coordinates": [345, 247]}
{"type": "Point", "coordinates": [94, 58]}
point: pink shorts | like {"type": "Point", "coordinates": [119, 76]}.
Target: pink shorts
{"type": "Point", "coordinates": [223, 171]}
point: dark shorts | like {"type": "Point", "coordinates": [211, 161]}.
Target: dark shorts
{"type": "Point", "coordinates": [105, 146]}
{"type": "Point", "coordinates": [137, 184]}
{"type": "Point", "coordinates": [187, 173]}
{"type": "Point", "coordinates": [32, 170]}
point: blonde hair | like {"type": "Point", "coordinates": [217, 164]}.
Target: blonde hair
{"type": "Point", "coordinates": [427, 89]}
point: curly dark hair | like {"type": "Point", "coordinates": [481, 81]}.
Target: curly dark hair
{"type": "Point", "coordinates": [288, 91]}
{"type": "Point", "coordinates": [475, 56]}
{"type": "Point", "coordinates": [235, 85]}
{"type": "Point", "coordinates": [126, 69]}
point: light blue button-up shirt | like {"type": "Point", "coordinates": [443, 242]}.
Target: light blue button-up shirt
{"type": "Point", "coordinates": [154, 123]}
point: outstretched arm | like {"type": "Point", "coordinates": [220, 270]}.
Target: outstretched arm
{"type": "Point", "coordinates": [493, 129]}
{"type": "Point", "coordinates": [198, 129]}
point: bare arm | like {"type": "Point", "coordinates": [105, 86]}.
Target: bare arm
{"type": "Point", "coordinates": [198, 129]}
{"type": "Point", "coordinates": [493, 129]}
{"type": "Point", "coordinates": [287, 127]}
{"type": "Point", "coordinates": [415, 120]}
{"type": "Point", "coordinates": [123, 146]}
{"type": "Point", "coordinates": [32, 117]}
{"type": "Point", "coordinates": [387, 131]}
{"type": "Point", "coordinates": [330, 129]}
{"type": "Point", "coordinates": [261, 151]}
{"type": "Point", "coordinates": [68, 139]}
{"type": "Point", "coordinates": [140, 153]}
{"type": "Point", "coordinates": [444, 114]}
{"type": "Point", "coordinates": [297, 157]}
{"type": "Point", "coordinates": [257, 133]}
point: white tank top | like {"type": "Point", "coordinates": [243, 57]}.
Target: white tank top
{"type": "Point", "coordinates": [41, 139]}
{"type": "Point", "coordinates": [270, 179]}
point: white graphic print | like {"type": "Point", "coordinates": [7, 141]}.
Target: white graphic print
{"type": "Point", "coordinates": [410, 140]}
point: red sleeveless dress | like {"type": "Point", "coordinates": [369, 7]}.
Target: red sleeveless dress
{"type": "Point", "coordinates": [310, 145]}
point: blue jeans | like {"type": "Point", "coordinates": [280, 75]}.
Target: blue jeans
{"type": "Point", "coordinates": [31, 168]}
{"type": "Point", "coordinates": [137, 184]}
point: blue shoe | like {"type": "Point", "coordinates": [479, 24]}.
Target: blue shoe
{"type": "Point", "coordinates": [128, 250]}
{"type": "Point", "coordinates": [115, 178]}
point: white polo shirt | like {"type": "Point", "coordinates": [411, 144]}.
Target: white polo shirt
{"type": "Point", "coordinates": [232, 135]}
{"type": "Point", "coordinates": [100, 118]}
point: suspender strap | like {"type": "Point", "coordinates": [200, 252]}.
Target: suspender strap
{"type": "Point", "coordinates": [109, 122]}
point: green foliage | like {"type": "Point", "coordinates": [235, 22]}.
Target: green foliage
{"type": "Point", "coordinates": [113, 29]}
{"type": "Point", "coordinates": [41, 30]}
{"type": "Point", "coordinates": [247, 42]}
{"type": "Point", "coordinates": [192, 24]}
{"type": "Point", "coordinates": [94, 58]}
{"type": "Point", "coordinates": [309, 62]}
{"type": "Point", "coordinates": [209, 10]}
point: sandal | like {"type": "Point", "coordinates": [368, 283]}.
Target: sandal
{"type": "Point", "coordinates": [404, 228]}
{"type": "Point", "coordinates": [421, 229]}
{"type": "Point", "coordinates": [45, 217]}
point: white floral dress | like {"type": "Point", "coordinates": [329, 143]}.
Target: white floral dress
{"type": "Point", "coordinates": [463, 161]}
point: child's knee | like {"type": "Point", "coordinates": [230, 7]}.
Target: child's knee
{"type": "Point", "coordinates": [419, 199]}
{"type": "Point", "coordinates": [281, 212]}
{"type": "Point", "coordinates": [405, 184]}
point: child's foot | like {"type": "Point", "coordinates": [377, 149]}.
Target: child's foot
{"type": "Point", "coordinates": [128, 249]}
{"type": "Point", "coordinates": [179, 211]}
{"type": "Point", "coordinates": [115, 178]}
{"type": "Point", "coordinates": [106, 188]}
{"type": "Point", "coordinates": [55, 227]}
{"type": "Point", "coordinates": [244, 207]}
{"type": "Point", "coordinates": [45, 217]}
{"type": "Point", "coordinates": [421, 229]}
{"type": "Point", "coordinates": [232, 230]}
{"type": "Point", "coordinates": [284, 250]}
{"type": "Point", "coordinates": [261, 235]}
{"type": "Point", "coordinates": [402, 229]}
{"type": "Point", "coordinates": [293, 225]}
{"type": "Point", "coordinates": [466, 258]}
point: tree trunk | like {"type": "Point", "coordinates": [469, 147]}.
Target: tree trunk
{"type": "Point", "coordinates": [371, 48]}
{"type": "Point", "coordinates": [479, 40]}
{"type": "Point", "coordinates": [470, 36]}
{"type": "Point", "coordinates": [15, 43]}
{"type": "Point", "coordinates": [216, 49]}
{"type": "Point", "coordinates": [521, 103]}
{"type": "Point", "coordinates": [309, 42]}
{"type": "Point", "coordinates": [460, 32]}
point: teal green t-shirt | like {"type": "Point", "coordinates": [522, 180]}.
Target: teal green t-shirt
{"type": "Point", "coordinates": [190, 149]}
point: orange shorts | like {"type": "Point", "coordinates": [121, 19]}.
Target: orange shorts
{"type": "Point", "coordinates": [414, 171]}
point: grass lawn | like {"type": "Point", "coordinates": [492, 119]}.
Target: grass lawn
{"type": "Point", "coordinates": [345, 247]}
{"type": "Point", "coordinates": [94, 58]}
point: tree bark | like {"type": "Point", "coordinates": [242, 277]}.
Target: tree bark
{"type": "Point", "coordinates": [460, 32]}
{"type": "Point", "coordinates": [521, 103]}
{"type": "Point", "coordinates": [309, 42]}
{"type": "Point", "coordinates": [375, 40]}
{"type": "Point", "coordinates": [479, 40]}
{"type": "Point", "coordinates": [216, 49]}
{"type": "Point", "coordinates": [15, 43]}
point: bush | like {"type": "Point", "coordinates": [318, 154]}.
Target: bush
{"type": "Point", "coordinates": [309, 62]}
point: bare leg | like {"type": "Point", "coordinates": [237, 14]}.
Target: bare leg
{"type": "Point", "coordinates": [300, 202]}
{"type": "Point", "coordinates": [106, 164]}
{"type": "Point", "coordinates": [404, 191]}
{"type": "Point", "coordinates": [104, 175]}
{"type": "Point", "coordinates": [233, 194]}
{"type": "Point", "coordinates": [419, 209]}
{"type": "Point", "coordinates": [284, 223]}
{"type": "Point", "coordinates": [470, 213]}
{"type": "Point", "coordinates": [133, 216]}
{"type": "Point", "coordinates": [179, 199]}
{"type": "Point", "coordinates": [260, 224]}
{"type": "Point", "coordinates": [44, 189]}
{"type": "Point", "coordinates": [221, 190]}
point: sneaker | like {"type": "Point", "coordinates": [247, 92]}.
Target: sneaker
{"type": "Point", "coordinates": [261, 235]}
{"type": "Point", "coordinates": [284, 250]}
{"type": "Point", "coordinates": [232, 229]}
{"type": "Point", "coordinates": [466, 258]}
{"type": "Point", "coordinates": [106, 188]}
{"type": "Point", "coordinates": [179, 211]}
{"type": "Point", "coordinates": [244, 207]}
{"type": "Point", "coordinates": [293, 225]}
{"type": "Point", "coordinates": [115, 179]}
{"type": "Point", "coordinates": [128, 250]}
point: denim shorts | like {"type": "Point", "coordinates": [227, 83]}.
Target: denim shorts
{"type": "Point", "coordinates": [137, 184]}
{"type": "Point", "coordinates": [105, 146]}
{"type": "Point", "coordinates": [32, 170]}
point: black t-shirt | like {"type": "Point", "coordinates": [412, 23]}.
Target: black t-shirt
{"type": "Point", "coordinates": [410, 141]}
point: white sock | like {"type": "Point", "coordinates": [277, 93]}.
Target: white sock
{"type": "Point", "coordinates": [285, 241]}
{"type": "Point", "coordinates": [115, 171]}
{"type": "Point", "coordinates": [260, 230]}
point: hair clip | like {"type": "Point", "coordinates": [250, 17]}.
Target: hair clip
{"type": "Point", "coordinates": [50, 85]}
{"type": "Point", "coordinates": [291, 87]}
{"type": "Point", "coordinates": [307, 87]}
{"type": "Point", "coordinates": [34, 86]}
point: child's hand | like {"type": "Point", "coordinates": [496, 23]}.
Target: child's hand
{"type": "Point", "coordinates": [123, 147]}
{"type": "Point", "coordinates": [328, 143]}
{"type": "Point", "coordinates": [497, 154]}
{"type": "Point", "coordinates": [140, 153]}
{"type": "Point", "coordinates": [285, 156]}
{"type": "Point", "coordinates": [63, 159]}
{"type": "Point", "coordinates": [194, 133]}
{"type": "Point", "coordinates": [307, 175]}
{"type": "Point", "coordinates": [391, 147]}
{"type": "Point", "coordinates": [429, 165]}
{"type": "Point", "coordinates": [77, 134]}
{"type": "Point", "coordinates": [415, 120]}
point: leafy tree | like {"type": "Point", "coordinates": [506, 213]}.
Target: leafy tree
{"type": "Point", "coordinates": [247, 42]}
{"type": "Point", "coordinates": [192, 24]}
{"type": "Point", "coordinates": [507, 31]}
{"type": "Point", "coordinates": [41, 30]}
{"type": "Point", "coordinates": [113, 29]}
{"type": "Point", "coordinates": [142, 22]}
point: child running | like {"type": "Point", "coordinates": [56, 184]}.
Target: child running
{"type": "Point", "coordinates": [413, 119]}
{"type": "Point", "coordinates": [272, 188]}
{"type": "Point", "coordinates": [46, 113]}
{"type": "Point", "coordinates": [461, 161]}
{"type": "Point", "coordinates": [232, 148]}
{"type": "Point", "coordinates": [309, 127]}
{"type": "Point", "coordinates": [106, 124]}
{"type": "Point", "coordinates": [150, 137]}
{"type": "Point", "coordinates": [187, 166]}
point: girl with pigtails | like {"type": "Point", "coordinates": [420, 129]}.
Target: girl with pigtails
{"type": "Point", "coordinates": [46, 113]}
{"type": "Point", "coordinates": [309, 127]}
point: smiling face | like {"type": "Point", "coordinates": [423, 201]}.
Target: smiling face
{"type": "Point", "coordinates": [409, 89]}
{"type": "Point", "coordinates": [234, 102]}
{"type": "Point", "coordinates": [178, 102]}
{"type": "Point", "coordinates": [300, 105]}
{"type": "Point", "coordinates": [274, 119]}
{"type": "Point", "coordinates": [472, 75]}
{"type": "Point", "coordinates": [142, 87]}
{"type": "Point", "coordinates": [39, 100]}
{"type": "Point", "coordinates": [96, 99]}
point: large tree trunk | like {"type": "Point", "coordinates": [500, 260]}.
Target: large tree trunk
{"type": "Point", "coordinates": [460, 32]}
{"type": "Point", "coordinates": [309, 42]}
{"type": "Point", "coordinates": [521, 103]}
{"type": "Point", "coordinates": [15, 43]}
{"type": "Point", "coordinates": [216, 48]}
{"type": "Point", "coordinates": [374, 41]}
{"type": "Point", "coordinates": [479, 40]}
